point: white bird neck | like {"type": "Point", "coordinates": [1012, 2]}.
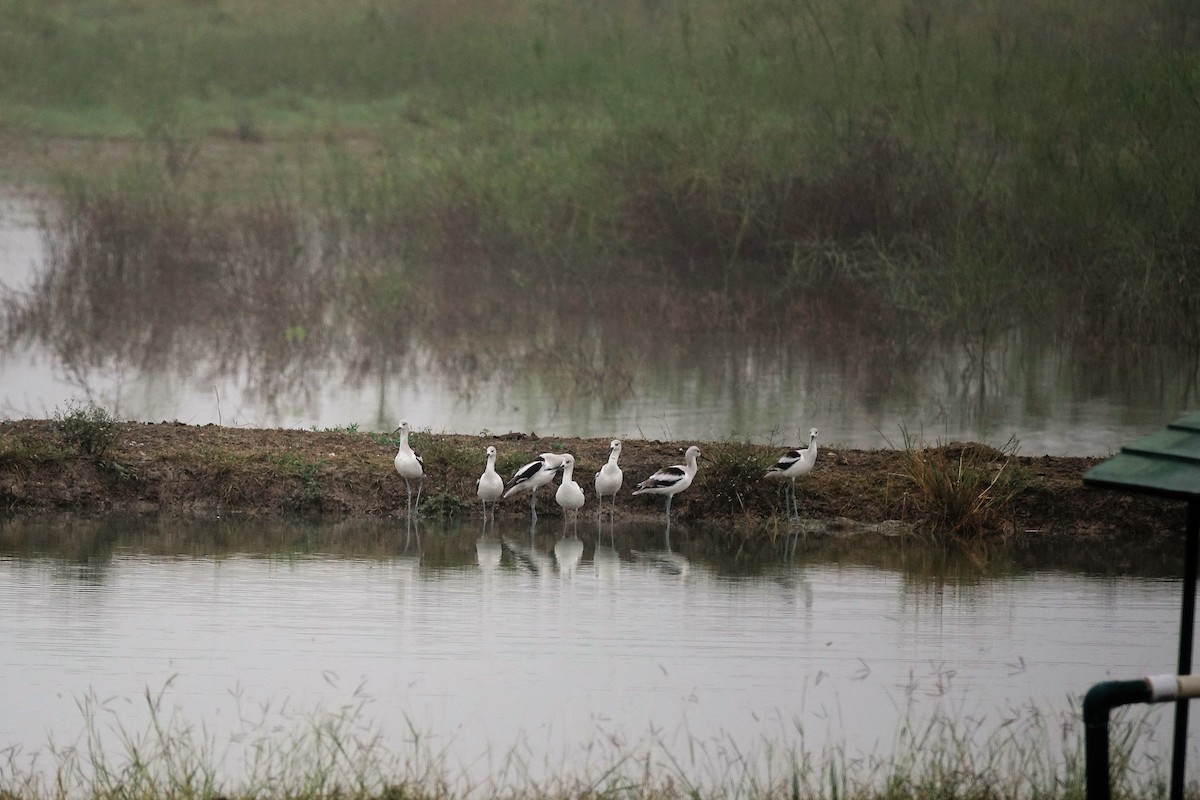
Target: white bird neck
{"type": "Point", "coordinates": [568, 472]}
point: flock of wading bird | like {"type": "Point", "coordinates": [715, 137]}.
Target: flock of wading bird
{"type": "Point", "coordinates": [668, 481]}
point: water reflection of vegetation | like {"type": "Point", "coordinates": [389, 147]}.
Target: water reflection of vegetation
{"type": "Point", "coordinates": [175, 285]}
{"type": "Point", "coordinates": [94, 542]}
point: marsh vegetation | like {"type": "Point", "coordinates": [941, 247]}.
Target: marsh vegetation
{"type": "Point", "coordinates": [351, 183]}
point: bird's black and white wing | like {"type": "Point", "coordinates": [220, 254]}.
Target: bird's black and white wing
{"type": "Point", "coordinates": [664, 478]}
{"type": "Point", "coordinates": [524, 474]}
{"type": "Point", "coordinates": [786, 461]}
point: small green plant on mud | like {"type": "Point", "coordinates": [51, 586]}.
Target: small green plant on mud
{"type": "Point", "coordinates": [292, 464]}
{"type": "Point", "coordinates": [19, 449]}
{"type": "Point", "coordinates": [731, 475]}
{"type": "Point", "coordinates": [443, 457]}
{"type": "Point", "coordinates": [959, 490]}
{"type": "Point", "coordinates": [443, 504]}
{"type": "Point", "coordinates": [88, 429]}
{"type": "Point", "coordinates": [386, 439]}
{"type": "Point", "coordinates": [351, 428]}
{"type": "Point", "coordinates": [288, 464]}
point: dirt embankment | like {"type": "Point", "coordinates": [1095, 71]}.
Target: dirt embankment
{"type": "Point", "coordinates": [199, 470]}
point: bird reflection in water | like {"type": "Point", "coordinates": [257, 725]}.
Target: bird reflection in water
{"type": "Point", "coordinates": [666, 560]}
{"type": "Point", "coordinates": [488, 552]}
{"type": "Point", "coordinates": [604, 557]}
{"type": "Point", "coordinates": [568, 551]}
{"type": "Point", "coordinates": [527, 557]}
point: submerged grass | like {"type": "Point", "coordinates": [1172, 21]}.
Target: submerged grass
{"type": "Point", "coordinates": [279, 753]}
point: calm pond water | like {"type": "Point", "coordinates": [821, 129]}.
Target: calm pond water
{"type": "Point", "coordinates": [157, 363]}
{"type": "Point", "coordinates": [508, 655]}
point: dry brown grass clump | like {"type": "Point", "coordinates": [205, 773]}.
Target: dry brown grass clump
{"type": "Point", "coordinates": [959, 490]}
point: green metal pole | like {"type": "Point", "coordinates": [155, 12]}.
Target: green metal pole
{"type": "Point", "coordinates": [1187, 621]}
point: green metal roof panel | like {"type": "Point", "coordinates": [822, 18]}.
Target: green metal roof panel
{"type": "Point", "coordinates": [1165, 463]}
{"type": "Point", "coordinates": [1188, 423]}
{"type": "Point", "coordinates": [1169, 443]}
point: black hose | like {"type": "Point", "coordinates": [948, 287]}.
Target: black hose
{"type": "Point", "coordinates": [1097, 703]}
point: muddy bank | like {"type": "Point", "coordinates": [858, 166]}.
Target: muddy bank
{"type": "Point", "coordinates": [206, 470]}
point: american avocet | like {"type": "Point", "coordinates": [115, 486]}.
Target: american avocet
{"type": "Point", "coordinates": [410, 466]}
{"type": "Point", "coordinates": [536, 473]}
{"type": "Point", "coordinates": [793, 464]}
{"type": "Point", "coordinates": [490, 485]}
{"type": "Point", "coordinates": [608, 479]}
{"type": "Point", "coordinates": [672, 480]}
{"type": "Point", "coordinates": [569, 495]}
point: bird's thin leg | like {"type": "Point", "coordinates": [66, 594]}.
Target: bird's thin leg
{"type": "Point", "coordinates": [408, 486]}
{"type": "Point", "coordinates": [417, 507]}
{"type": "Point", "coordinates": [670, 497]}
{"type": "Point", "coordinates": [533, 503]}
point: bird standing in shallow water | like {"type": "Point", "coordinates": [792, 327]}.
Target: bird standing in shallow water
{"type": "Point", "coordinates": [569, 495]}
{"type": "Point", "coordinates": [608, 479]}
{"type": "Point", "coordinates": [533, 475]}
{"type": "Point", "coordinates": [490, 485]}
{"type": "Point", "coordinates": [410, 466]}
{"type": "Point", "coordinates": [672, 480]}
{"type": "Point", "coordinates": [794, 464]}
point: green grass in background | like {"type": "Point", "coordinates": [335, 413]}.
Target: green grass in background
{"type": "Point", "coordinates": [977, 167]}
